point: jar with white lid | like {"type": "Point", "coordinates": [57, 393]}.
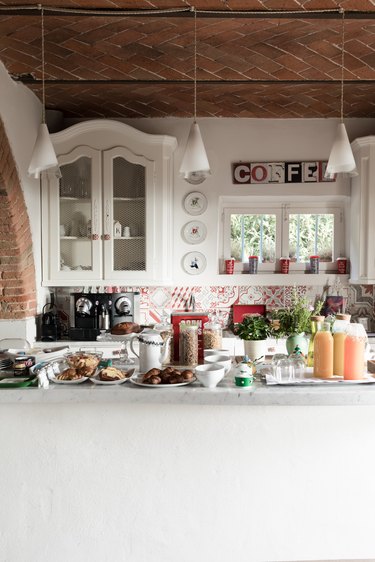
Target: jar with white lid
{"type": "Point", "coordinates": [212, 335]}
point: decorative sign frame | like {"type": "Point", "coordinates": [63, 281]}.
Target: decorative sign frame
{"type": "Point", "coordinates": [279, 172]}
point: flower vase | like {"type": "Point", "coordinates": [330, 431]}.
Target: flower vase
{"type": "Point", "coordinates": [299, 340]}
{"type": "Point", "coordinates": [255, 349]}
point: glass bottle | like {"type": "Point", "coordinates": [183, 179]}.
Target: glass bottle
{"type": "Point", "coordinates": [323, 351]}
{"type": "Point", "coordinates": [340, 324]}
{"type": "Point", "coordinates": [188, 344]}
{"type": "Point", "coordinates": [354, 352]}
{"type": "Point", "coordinates": [315, 320]}
{"type": "Point", "coordinates": [212, 335]}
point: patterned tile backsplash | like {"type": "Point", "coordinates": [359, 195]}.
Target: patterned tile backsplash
{"type": "Point", "coordinates": [358, 299]}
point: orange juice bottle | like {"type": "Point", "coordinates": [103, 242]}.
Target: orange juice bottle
{"type": "Point", "coordinates": [323, 351]}
{"type": "Point", "coordinates": [315, 320]}
{"type": "Point", "coordinates": [339, 335]}
{"type": "Point", "coordinates": [354, 352]}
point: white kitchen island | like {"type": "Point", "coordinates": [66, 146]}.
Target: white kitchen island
{"type": "Point", "coordinates": [123, 473]}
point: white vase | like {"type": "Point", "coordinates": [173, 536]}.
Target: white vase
{"type": "Point", "coordinates": [255, 349]}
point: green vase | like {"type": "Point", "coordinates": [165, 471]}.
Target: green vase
{"type": "Point", "coordinates": [299, 340]}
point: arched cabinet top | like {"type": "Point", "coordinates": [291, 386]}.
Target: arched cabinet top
{"type": "Point", "coordinates": [104, 134]}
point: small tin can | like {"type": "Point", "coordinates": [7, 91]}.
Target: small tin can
{"type": "Point", "coordinates": [284, 265]}
{"type": "Point", "coordinates": [314, 264]}
{"type": "Point", "coordinates": [22, 365]}
{"type": "Point", "coordinates": [253, 264]}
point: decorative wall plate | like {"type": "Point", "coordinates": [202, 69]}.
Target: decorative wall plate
{"type": "Point", "coordinates": [195, 203]}
{"type": "Point", "coordinates": [194, 232]}
{"type": "Point", "coordinates": [194, 263]}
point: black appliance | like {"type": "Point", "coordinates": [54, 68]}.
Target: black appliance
{"type": "Point", "coordinates": [50, 322]}
{"type": "Point", "coordinates": [91, 313]}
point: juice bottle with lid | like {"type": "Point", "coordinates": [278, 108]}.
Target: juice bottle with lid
{"type": "Point", "coordinates": [339, 335]}
{"type": "Point", "coordinates": [354, 352]}
{"type": "Point", "coordinates": [323, 351]}
{"type": "Point", "coordinates": [315, 320]}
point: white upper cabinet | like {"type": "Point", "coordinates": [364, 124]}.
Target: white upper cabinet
{"type": "Point", "coordinates": [362, 223]}
{"type": "Point", "coordinates": [108, 219]}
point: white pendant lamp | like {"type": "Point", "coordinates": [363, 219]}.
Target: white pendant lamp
{"type": "Point", "coordinates": [43, 156]}
{"type": "Point", "coordinates": [341, 159]}
{"type": "Point", "coordinates": [195, 166]}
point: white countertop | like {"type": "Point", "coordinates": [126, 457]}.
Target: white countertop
{"type": "Point", "coordinates": [226, 394]}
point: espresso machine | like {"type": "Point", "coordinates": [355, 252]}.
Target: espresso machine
{"type": "Point", "coordinates": [93, 313]}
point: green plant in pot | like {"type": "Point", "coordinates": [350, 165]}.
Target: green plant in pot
{"type": "Point", "coordinates": [294, 322]}
{"type": "Point", "coordinates": [254, 330]}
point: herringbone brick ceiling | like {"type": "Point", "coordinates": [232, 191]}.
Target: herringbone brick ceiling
{"type": "Point", "coordinates": [280, 64]}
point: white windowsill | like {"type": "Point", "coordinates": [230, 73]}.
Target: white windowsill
{"type": "Point", "coordinates": [282, 279]}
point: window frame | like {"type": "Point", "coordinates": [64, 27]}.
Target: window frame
{"type": "Point", "coordinates": [283, 207]}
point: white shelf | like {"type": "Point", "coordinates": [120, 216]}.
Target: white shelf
{"type": "Point", "coordinates": [128, 238]}
{"type": "Point", "coordinates": [75, 238]}
{"type": "Point", "coordinates": [75, 199]}
{"type": "Point", "coordinates": [128, 199]}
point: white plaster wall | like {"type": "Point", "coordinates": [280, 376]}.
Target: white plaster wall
{"type": "Point", "coordinates": [233, 140]}
{"type": "Point", "coordinates": [189, 483]}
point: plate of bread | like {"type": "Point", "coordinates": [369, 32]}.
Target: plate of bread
{"type": "Point", "coordinates": [112, 375]}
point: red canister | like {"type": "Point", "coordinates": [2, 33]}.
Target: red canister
{"type": "Point", "coordinates": [229, 266]}
{"type": "Point", "coordinates": [284, 265]}
{"type": "Point", "coordinates": [342, 265]}
{"type": "Point", "coordinates": [314, 264]}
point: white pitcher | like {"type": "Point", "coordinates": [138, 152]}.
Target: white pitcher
{"type": "Point", "coordinates": [152, 349]}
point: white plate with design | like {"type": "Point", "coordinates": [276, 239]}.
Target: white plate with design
{"type": "Point", "coordinates": [194, 263]}
{"type": "Point", "coordinates": [195, 203]}
{"type": "Point", "coordinates": [194, 232]}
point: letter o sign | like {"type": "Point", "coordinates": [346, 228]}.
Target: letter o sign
{"type": "Point", "coordinates": [259, 173]}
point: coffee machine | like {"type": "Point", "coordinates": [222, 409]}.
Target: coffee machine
{"type": "Point", "coordinates": [91, 313]}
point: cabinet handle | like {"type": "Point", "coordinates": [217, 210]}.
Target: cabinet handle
{"type": "Point", "coordinates": [106, 236]}
{"type": "Point", "coordinates": [95, 237]}
{"type": "Point", "coordinates": [107, 226]}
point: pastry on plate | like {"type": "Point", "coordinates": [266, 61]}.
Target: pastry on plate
{"type": "Point", "coordinates": [111, 374]}
{"type": "Point", "coordinates": [124, 328]}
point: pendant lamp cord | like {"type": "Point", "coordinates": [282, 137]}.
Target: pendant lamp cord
{"type": "Point", "coordinates": [342, 63]}
{"type": "Point", "coordinates": [195, 65]}
{"type": "Point", "coordinates": [40, 7]}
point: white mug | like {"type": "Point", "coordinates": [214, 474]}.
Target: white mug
{"type": "Point", "coordinates": [126, 232]}
{"type": "Point", "coordinates": [62, 230]}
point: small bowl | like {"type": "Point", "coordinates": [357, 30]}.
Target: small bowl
{"type": "Point", "coordinates": [209, 375]}
{"type": "Point", "coordinates": [207, 352]}
{"type": "Point", "coordinates": [222, 360]}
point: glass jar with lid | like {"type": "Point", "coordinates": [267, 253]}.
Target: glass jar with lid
{"type": "Point", "coordinates": [212, 334]}
{"type": "Point", "coordinates": [188, 344]}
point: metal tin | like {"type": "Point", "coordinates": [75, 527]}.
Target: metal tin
{"type": "Point", "coordinates": [22, 365]}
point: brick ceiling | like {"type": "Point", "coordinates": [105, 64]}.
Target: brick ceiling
{"type": "Point", "coordinates": [285, 65]}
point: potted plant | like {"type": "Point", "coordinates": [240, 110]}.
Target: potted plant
{"type": "Point", "coordinates": [254, 330]}
{"type": "Point", "coordinates": [294, 322]}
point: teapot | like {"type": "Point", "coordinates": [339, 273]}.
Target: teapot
{"type": "Point", "coordinates": [153, 349]}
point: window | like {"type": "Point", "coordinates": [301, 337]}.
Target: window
{"type": "Point", "coordinates": [294, 229]}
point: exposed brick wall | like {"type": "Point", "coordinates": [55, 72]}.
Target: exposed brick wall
{"type": "Point", "coordinates": [17, 270]}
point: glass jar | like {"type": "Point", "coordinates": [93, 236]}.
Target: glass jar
{"type": "Point", "coordinates": [323, 351]}
{"type": "Point", "coordinates": [188, 344]}
{"type": "Point", "coordinates": [212, 335]}
{"type": "Point", "coordinates": [340, 324]}
{"type": "Point", "coordinates": [354, 352]}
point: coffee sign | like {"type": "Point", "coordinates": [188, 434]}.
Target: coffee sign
{"type": "Point", "coordinates": [279, 172]}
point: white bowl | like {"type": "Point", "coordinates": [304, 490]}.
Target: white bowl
{"type": "Point", "coordinates": [209, 374]}
{"type": "Point", "coordinates": [222, 360]}
{"type": "Point", "coordinates": [207, 352]}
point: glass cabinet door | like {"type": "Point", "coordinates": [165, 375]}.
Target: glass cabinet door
{"type": "Point", "coordinates": [76, 226]}
{"type": "Point", "coordinates": [127, 221]}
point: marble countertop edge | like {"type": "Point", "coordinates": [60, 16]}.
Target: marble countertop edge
{"type": "Point", "coordinates": [194, 394]}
